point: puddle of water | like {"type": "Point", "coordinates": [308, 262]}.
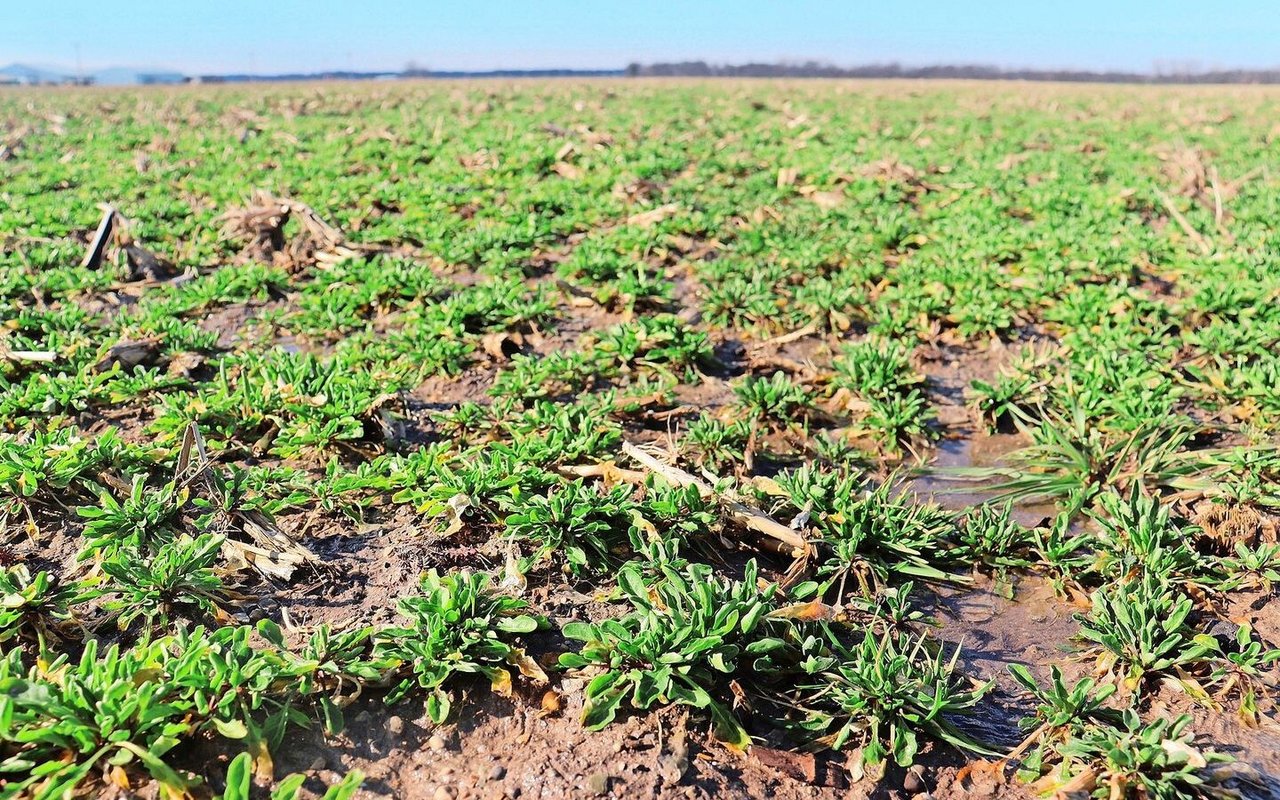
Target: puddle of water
{"type": "Point", "coordinates": [1035, 629]}
{"type": "Point", "coordinates": [994, 724]}
{"type": "Point", "coordinates": [961, 494]}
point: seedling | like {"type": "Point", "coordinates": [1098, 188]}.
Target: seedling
{"type": "Point", "coordinates": [179, 579]}
{"type": "Point", "coordinates": [37, 471]}
{"type": "Point", "coordinates": [457, 626]}
{"type": "Point", "coordinates": [1136, 760]}
{"type": "Point", "coordinates": [717, 444]}
{"type": "Point", "coordinates": [686, 636]}
{"type": "Point", "coordinates": [990, 539]}
{"type": "Point", "coordinates": [587, 529]}
{"type": "Point", "coordinates": [880, 695]}
{"type": "Point", "coordinates": [1140, 628]}
{"type": "Point", "coordinates": [870, 536]}
{"type": "Point", "coordinates": [144, 521]}
{"type": "Point", "coordinates": [240, 783]}
{"type": "Point", "coordinates": [775, 400]}
{"type": "Point", "coordinates": [33, 608]}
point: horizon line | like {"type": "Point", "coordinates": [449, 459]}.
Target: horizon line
{"type": "Point", "coordinates": [1175, 68]}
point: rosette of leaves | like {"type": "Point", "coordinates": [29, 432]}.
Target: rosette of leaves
{"type": "Point", "coordinates": [686, 636]}
{"type": "Point", "coordinates": [456, 626]}
{"type": "Point", "coordinates": [1139, 627]}
{"type": "Point", "coordinates": [880, 695]}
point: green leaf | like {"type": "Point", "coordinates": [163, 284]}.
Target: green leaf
{"type": "Point", "coordinates": [231, 728]}
{"type": "Point", "coordinates": [602, 708]}
{"type": "Point", "coordinates": [522, 624]}
{"type": "Point", "coordinates": [334, 720]}
{"type": "Point", "coordinates": [727, 728]}
{"type": "Point", "coordinates": [904, 746]}
{"type": "Point", "coordinates": [581, 631]}
{"type": "Point", "coordinates": [270, 631]}
{"type": "Point", "coordinates": [1023, 676]}
{"type": "Point", "coordinates": [347, 788]}
{"type": "Point", "coordinates": [288, 788]}
{"type": "Point", "coordinates": [239, 774]}
{"type": "Point", "coordinates": [438, 706]}
{"type": "Point", "coordinates": [630, 582]}
{"type": "Point", "coordinates": [650, 686]}
{"type": "Point", "coordinates": [573, 661]}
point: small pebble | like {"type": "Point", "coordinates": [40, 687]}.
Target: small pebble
{"type": "Point", "coordinates": [445, 793]}
{"type": "Point", "coordinates": [914, 781]}
{"type": "Point", "coordinates": [497, 773]}
{"type": "Point", "coordinates": [598, 783]}
{"type": "Point", "coordinates": [395, 725]}
{"type": "Point", "coordinates": [436, 742]}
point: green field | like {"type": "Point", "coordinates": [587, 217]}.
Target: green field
{"type": "Point", "coordinates": [639, 438]}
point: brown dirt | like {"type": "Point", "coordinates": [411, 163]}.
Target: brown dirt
{"type": "Point", "coordinates": [515, 749]}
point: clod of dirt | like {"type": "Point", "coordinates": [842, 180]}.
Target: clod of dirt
{"type": "Point", "coordinates": [673, 763]}
{"type": "Point", "coordinates": [913, 781]}
{"type": "Point", "coordinates": [800, 766]}
{"type": "Point", "coordinates": [129, 354]}
{"type": "Point", "coordinates": [183, 364]}
{"type": "Point", "coordinates": [145, 265]}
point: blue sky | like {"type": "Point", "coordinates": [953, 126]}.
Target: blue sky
{"type": "Point", "coordinates": [286, 35]}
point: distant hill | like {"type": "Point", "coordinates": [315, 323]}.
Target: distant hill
{"type": "Point", "coordinates": [32, 73]}
{"type": "Point", "coordinates": [112, 76]}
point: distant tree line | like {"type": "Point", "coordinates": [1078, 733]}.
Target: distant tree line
{"type": "Point", "coordinates": [517, 73]}
{"type": "Point", "coordinates": [807, 69]}
{"type": "Point", "coordinates": [816, 69]}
